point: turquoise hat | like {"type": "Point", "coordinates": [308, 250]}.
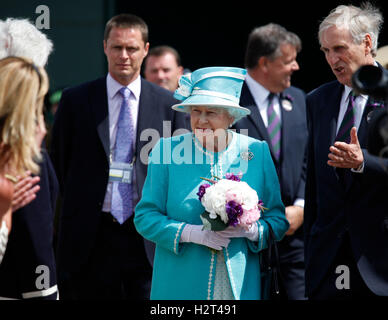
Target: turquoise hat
{"type": "Point", "coordinates": [218, 87]}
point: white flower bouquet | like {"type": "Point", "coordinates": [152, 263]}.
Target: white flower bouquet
{"type": "Point", "coordinates": [229, 202]}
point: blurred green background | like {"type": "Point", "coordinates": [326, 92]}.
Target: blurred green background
{"type": "Point", "coordinates": [205, 33]}
{"type": "Point", "coordinates": [76, 29]}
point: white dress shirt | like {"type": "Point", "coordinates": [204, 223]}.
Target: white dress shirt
{"type": "Point", "coordinates": [114, 105]}
{"type": "Point", "coordinates": [260, 95]}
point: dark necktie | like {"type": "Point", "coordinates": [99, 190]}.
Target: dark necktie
{"type": "Point", "coordinates": [274, 126]}
{"type": "Point", "coordinates": [348, 120]}
{"type": "Point", "coordinates": [121, 207]}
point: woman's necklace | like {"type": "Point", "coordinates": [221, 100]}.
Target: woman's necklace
{"type": "Point", "coordinates": [213, 166]}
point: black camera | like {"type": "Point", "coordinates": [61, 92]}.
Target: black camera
{"type": "Point", "coordinates": [373, 81]}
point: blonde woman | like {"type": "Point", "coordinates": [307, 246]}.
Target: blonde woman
{"type": "Point", "coordinates": [22, 89]}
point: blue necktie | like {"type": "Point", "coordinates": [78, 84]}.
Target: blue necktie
{"type": "Point", "coordinates": [122, 206]}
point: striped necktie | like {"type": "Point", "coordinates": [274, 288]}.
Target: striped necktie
{"type": "Point", "coordinates": [121, 207]}
{"type": "Point", "coordinates": [274, 126]}
{"type": "Point", "coordinates": [348, 120]}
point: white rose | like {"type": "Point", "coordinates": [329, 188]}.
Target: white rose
{"type": "Point", "coordinates": [214, 200]}
{"type": "Point", "coordinates": [250, 198]}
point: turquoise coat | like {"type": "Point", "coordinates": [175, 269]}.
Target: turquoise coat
{"type": "Point", "coordinates": [169, 201]}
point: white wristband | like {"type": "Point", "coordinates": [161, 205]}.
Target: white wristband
{"type": "Point", "coordinates": [3, 239]}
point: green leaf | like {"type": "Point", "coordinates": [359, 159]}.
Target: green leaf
{"type": "Point", "coordinates": [212, 224]}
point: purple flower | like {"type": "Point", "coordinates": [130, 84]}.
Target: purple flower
{"type": "Point", "coordinates": [231, 176]}
{"type": "Point", "coordinates": [234, 210]}
{"type": "Point", "coordinates": [202, 190]}
{"type": "Point", "coordinates": [375, 104]}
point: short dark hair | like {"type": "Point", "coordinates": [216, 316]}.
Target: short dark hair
{"type": "Point", "coordinates": [266, 41]}
{"type": "Point", "coordinates": [125, 20]}
{"type": "Point", "coordinates": [159, 51]}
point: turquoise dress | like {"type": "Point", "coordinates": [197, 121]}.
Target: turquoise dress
{"type": "Point", "coordinates": [169, 201]}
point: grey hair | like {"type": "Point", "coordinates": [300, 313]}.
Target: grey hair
{"type": "Point", "coordinates": [20, 38]}
{"type": "Point", "coordinates": [266, 41]}
{"type": "Point", "coordinates": [233, 112]}
{"type": "Point", "coordinates": [359, 21]}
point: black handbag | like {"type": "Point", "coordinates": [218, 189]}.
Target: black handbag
{"type": "Point", "coordinates": [272, 285]}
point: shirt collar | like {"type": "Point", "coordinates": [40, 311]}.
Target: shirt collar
{"type": "Point", "coordinates": [347, 91]}
{"type": "Point", "coordinates": [113, 87]}
{"type": "Point", "coordinates": [259, 93]}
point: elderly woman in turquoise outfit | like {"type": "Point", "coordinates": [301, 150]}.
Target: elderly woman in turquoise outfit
{"type": "Point", "coordinates": [190, 262]}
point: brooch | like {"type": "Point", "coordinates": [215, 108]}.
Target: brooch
{"type": "Point", "coordinates": [247, 155]}
{"type": "Point", "coordinates": [374, 105]}
{"type": "Point", "coordinates": [369, 116]}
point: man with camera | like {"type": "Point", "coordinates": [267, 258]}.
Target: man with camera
{"type": "Point", "coordinates": [346, 215]}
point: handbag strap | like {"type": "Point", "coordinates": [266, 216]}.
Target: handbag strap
{"type": "Point", "coordinates": [273, 260]}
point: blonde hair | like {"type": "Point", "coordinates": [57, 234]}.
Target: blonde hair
{"type": "Point", "coordinates": [22, 89]}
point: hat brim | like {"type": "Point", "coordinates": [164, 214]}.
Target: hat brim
{"type": "Point", "coordinates": [213, 102]}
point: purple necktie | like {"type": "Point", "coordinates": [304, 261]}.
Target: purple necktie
{"type": "Point", "coordinates": [122, 207]}
{"type": "Point", "coordinates": [274, 127]}
{"type": "Point", "coordinates": [348, 120]}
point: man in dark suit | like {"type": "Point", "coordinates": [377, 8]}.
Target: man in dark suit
{"type": "Point", "coordinates": [271, 60]}
{"type": "Point", "coordinates": [100, 254]}
{"type": "Point", "coordinates": [346, 211]}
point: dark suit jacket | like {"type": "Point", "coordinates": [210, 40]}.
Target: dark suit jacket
{"type": "Point", "coordinates": [80, 153]}
{"type": "Point", "coordinates": [356, 203]}
{"type": "Point", "coordinates": [291, 167]}
{"type": "Point", "coordinates": [30, 244]}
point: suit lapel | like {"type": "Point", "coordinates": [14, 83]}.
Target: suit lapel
{"type": "Point", "coordinates": [286, 122]}
{"type": "Point", "coordinates": [329, 113]}
{"type": "Point", "coordinates": [146, 114]}
{"type": "Point", "coordinates": [148, 118]}
{"type": "Point", "coordinates": [363, 131]}
{"type": "Point", "coordinates": [247, 101]}
{"type": "Point", "coordinates": [99, 106]}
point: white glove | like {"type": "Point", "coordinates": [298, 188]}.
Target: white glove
{"type": "Point", "coordinates": [240, 232]}
{"type": "Point", "coordinates": [194, 233]}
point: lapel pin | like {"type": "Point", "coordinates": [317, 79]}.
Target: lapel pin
{"type": "Point", "coordinates": [287, 105]}
{"type": "Point", "coordinates": [247, 155]}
